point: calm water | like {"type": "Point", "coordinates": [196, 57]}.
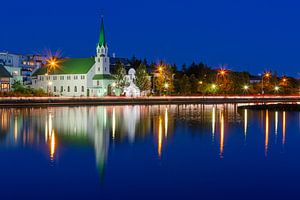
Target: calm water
{"type": "Point", "coordinates": [149, 152]}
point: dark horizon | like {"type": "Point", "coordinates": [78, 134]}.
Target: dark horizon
{"type": "Point", "coordinates": [247, 36]}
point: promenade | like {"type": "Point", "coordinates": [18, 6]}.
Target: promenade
{"type": "Point", "coordinates": [83, 101]}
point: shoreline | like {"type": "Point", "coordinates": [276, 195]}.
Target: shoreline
{"type": "Point", "coordinates": [94, 101]}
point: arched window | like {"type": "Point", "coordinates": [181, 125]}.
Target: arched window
{"type": "Point", "coordinates": [68, 88]}
{"type": "Point", "coordinates": [75, 89]}
{"type": "Point", "coordinates": [82, 88]}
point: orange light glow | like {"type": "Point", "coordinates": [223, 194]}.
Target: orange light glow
{"type": "Point", "coordinates": [52, 145]}
{"type": "Point", "coordinates": [267, 75]}
{"type": "Point", "coordinates": [283, 127]}
{"type": "Point", "coordinates": [222, 136]}
{"type": "Point", "coordinates": [267, 133]}
{"type": "Point", "coordinates": [160, 137]}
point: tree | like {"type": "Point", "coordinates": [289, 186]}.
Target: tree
{"type": "Point", "coordinates": [184, 86]}
{"type": "Point", "coordinates": [163, 80]}
{"type": "Point", "coordinates": [142, 78]}
{"type": "Point", "coordinates": [120, 74]}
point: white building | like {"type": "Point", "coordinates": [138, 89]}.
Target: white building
{"type": "Point", "coordinates": [78, 76]}
{"type": "Point", "coordinates": [131, 90]}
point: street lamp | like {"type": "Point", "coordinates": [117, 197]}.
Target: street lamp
{"type": "Point", "coordinates": [265, 75]}
{"type": "Point", "coordinates": [276, 88]}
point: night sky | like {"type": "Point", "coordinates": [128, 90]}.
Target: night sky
{"type": "Point", "coordinates": [254, 35]}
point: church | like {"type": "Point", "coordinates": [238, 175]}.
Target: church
{"type": "Point", "coordinates": [75, 77]}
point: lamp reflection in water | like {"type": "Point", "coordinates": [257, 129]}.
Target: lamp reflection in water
{"type": "Point", "coordinates": [160, 137]}
{"type": "Point", "coordinates": [213, 123]}
{"type": "Point", "coordinates": [267, 133]}
{"type": "Point", "coordinates": [283, 127]}
{"type": "Point", "coordinates": [16, 128]}
{"type": "Point", "coordinates": [222, 135]}
{"type": "Point", "coordinates": [113, 123]}
{"type": "Point", "coordinates": [245, 123]}
{"type": "Point", "coordinates": [52, 145]}
{"type": "Point", "coordinates": [276, 126]}
{"type": "Point", "coordinates": [166, 122]}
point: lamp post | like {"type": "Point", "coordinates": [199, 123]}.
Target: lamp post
{"type": "Point", "coordinates": [246, 88]}
{"type": "Point", "coordinates": [267, 75]}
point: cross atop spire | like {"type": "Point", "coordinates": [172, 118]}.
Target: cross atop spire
{"type": "Point", "coordinates": [102, 41]}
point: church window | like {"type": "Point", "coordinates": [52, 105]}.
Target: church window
{"type": "Point", "coordinates": [54, 89]}
{"type": "Point", "coordinates": [68, 88]}
{"type": "Point", "coordinates": [75, 89]}
{"type": "Point", "coordinates": [62, 78]}
{"type": "Point", "coordinates": [61, 88]}
{"type": "Point", "coordinates": [98, 59]}
{"type": "Point", "coordinates": [75, 77]}
{"type": "Point", "coordinates": [99, 69]}
{"type": "Point", "coordinates": [82, 88]}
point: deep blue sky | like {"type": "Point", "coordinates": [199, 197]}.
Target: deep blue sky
{"type": "Point", "coordinates": [253, 35]}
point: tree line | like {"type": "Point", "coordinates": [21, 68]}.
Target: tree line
{"type": "Point", "coordinates": [200, 79]}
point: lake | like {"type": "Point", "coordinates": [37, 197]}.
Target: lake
{"type": "Point", "coordinates": [149, 152]}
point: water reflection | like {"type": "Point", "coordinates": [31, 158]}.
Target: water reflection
{"type": "Point", "coordinates": [267, 133]}
{"type": "Point", "coordinates": [97, 127]}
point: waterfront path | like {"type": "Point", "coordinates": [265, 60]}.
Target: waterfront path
{"type": "Point", "coordinates": [81, 101]}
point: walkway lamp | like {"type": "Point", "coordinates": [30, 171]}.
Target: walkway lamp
{"type": "Point", "coordinates": [265, 75]}
{"type": "Point", "coordinates": [245, 88]}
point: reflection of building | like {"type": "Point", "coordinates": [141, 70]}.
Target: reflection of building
{"type": "Point", "coordinates": [105, 126]}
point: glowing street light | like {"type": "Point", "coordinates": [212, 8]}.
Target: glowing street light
{"type": "Point", "coordinates": [52, 63]}
{"type": "Point", "coordinates": [200, 82]}
{"type": "Point", "coordinates": [246, 87]}
{"type": "Point", "coordinates": [222, 72]}
{"type": "Point", "coordinates": [276, 88]}
{"type": "Point", "coordinates": [213, 86]}
{"type": "Point", "coordinates": [166, 85]}
{"type": "Point", "coordinates": [265, 75]}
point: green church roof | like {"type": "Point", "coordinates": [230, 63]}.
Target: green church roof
{"type": "Point", "coordinates": [102, 41]}
{"type": "Point", "coordinates": [103, 76]}
{"type": "Point", "coordinates": [69, 66]}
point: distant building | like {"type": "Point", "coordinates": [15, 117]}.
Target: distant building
{"type": "Point", "coordinates": [5, 79]}
{"type": "Point", "coordinates": [255, 79]}
{"type": "Point", "coordinates": [23, 64]}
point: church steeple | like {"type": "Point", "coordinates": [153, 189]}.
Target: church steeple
{"type": "Point", "coordinates": [102, 41]}
{"type": "Point", "coordinates": [102, 58]}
